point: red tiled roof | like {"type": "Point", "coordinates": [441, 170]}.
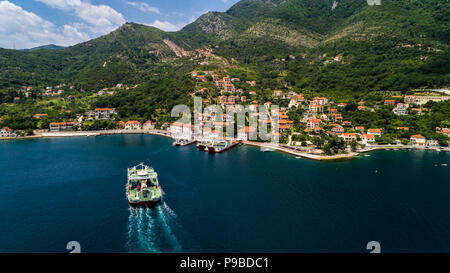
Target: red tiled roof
{"type": "Point", "coordinates": [62, 123]}
{"type": "Point", "coordinates": [103, 109]}
{"type": "Point", "coordinates": [132, 122]}
{"type": "Point", "coordinates": [247, 129]}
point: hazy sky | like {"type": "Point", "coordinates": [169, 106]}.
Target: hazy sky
{"type": "Point", "coordinates": [31, 23]}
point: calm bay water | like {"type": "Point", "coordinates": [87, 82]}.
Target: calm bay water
{"type": "Point", "coordinates": [53, 191]}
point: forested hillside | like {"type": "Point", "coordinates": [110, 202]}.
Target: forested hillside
{"type": "Point", "coordinates": [339, 46]}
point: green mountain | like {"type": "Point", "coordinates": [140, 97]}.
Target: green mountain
{"type": "Point", "coordinates": [339, 45]}
{"type": "Point", "coordinates": [51, 46]}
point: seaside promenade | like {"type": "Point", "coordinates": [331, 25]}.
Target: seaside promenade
{"type": "Point", "coordinates": [263, 146]}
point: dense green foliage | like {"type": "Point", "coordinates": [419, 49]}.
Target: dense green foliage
{"type": "Point", "coordinates": [150, 99]}
{"type": "Point", "coordinates": [345, 52]}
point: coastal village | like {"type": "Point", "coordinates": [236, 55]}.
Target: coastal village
{"type": "Point", "coordinates": [306, 124]}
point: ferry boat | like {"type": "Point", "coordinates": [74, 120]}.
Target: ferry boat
{"type": "Point", "coordinates": [184, 142]}
{"type": "Point", "coordinates": [143, 186]}
{"type": "Point", "coordinates": [220, 146]}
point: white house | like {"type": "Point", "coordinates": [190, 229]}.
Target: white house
{"type": "Point", "coordinates": [348, 137]}
{"type": "Point", "coordinates": [401, 109]}
{"type": "Point", "coordinates": [104, 113]}
{"type": "Point", "coordinates": [179, 129]}
{"type": "Point", "coordinates": [7, 132]}
{"type": "Point", "coordinates": [367, 138]}
{"type": "Point", "coordinates": [418, 140]}
{"type": "Point", "coordinates": [133, 125]}
{"type": "Point", "coordinates": [313, 123]}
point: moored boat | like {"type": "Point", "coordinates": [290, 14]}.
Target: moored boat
{"type": "Point", "coordinates": [220, 146]}
{"type": "Point", "coordinates": [202, 144]}
{"type": "Point", "coordinates": [143, 186]}
{"type": "Point", "coordinates": [184, 142]}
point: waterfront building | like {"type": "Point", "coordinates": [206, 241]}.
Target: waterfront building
{"type": "Point", "coordinates": [7, 132]}
{"type": "Point", "coordinates": [133, 125]}
{"type": "Point", "coordinates": [181, 129]}
{"type": "Point", "coordinates": [149, 125]}
{"type": "Point", "coordinates": [61, 126]}
{"type": "Point", "coordinates": [418, 140]}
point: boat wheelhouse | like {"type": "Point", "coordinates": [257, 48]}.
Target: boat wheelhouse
{"type": "Point", "coordinates": [143, 186]}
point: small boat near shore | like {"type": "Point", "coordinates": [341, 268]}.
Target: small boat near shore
{"type": "Point", "coordinates": [143, 186]}
{"type": "Point", "coordinates": [184, 142]}
{"type": "Point", "coordinates": [266, 149]}
{"type": "Point", "coordinates": [220, 146]}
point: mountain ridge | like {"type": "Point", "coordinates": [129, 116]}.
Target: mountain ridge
{"type": "Point", "coordinates": [258, 32]}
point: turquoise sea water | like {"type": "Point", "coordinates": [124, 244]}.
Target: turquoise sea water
{"type": "Point", "coordinates": [53, 191]}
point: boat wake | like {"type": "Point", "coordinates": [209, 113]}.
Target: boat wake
{"type": "Point", "coordinates": [149, 230]}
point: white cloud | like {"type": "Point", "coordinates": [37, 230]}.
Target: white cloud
{"type": "Point", "coordinates": [144, 7]}
{"type": "Point", "coordinates": [22, 29]}
{"type": "Point", "coordinates": [96, 19]}
{"type": "Point", "coordinates": [166, 25]}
